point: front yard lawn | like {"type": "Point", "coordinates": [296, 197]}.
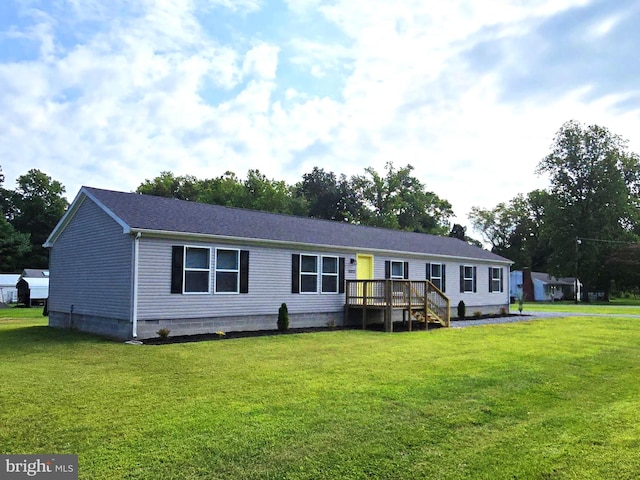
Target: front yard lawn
{"type": "Point", "coordinates": [612, 308]}
{"type": "Point", "coordinates": [544, 399]}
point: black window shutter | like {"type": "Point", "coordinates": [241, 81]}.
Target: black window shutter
{"type": "Point", "coordinates": [177, 259]}
{"type": "Point", "coordinates": [490, 279]}
{"type": "Point", "coordinates": [461, 278]}
{"type": "Point", "coordinates": [244, 271]}
{"type": "Point", "coordinates": [406, 270]}
{"type": "Point", "coordinates": [444, 279]}
{"type": "Point", "coordinates": [387, 269]}
{"type": "Point", "coordinates": [295, 273]}
{"type": "Point", "coordinates": [501, 280]}
{"type": "Point", "coordinates": [341, 275]}
{"type": "Point", "coordinates": [475, 279]}
{"type": "Point", "coordinates": [428, 277]}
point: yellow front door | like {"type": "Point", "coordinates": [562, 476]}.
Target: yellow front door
{"type": "Point", "coordinates": [364, 269]}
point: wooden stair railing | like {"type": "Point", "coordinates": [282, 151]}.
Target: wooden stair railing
{"type": "Point", "coordinates": [421, 298]}
{"type": "Point", "coordinates": [436, 305]}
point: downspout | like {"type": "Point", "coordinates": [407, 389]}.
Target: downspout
{"type": "Point", "coordinates": [134, 300]}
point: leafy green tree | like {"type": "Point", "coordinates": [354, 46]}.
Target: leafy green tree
{"type": "Point", "coordinates": [14, 246]}
{"type": "Point", "coordinates": [460, 232]}
{"type": "Point", "coordinates": [227, 190]}
{"type": "Point", "coordinates": [327, 196]}
{"type": "Point", "coordinates": [595, 182]}
{"type": "Point", "coordinates": [399, 200]}
{"type": "Point", "coordinates": [168, 185]}
{"type": "Point", "coordinates": [268, 195]}
{"type": "Point", "coordinates": [35, 208]}
{"type": "Point", "coordinates": [515, 229]}
{"type": "Point", "coordinates": [623, 265]}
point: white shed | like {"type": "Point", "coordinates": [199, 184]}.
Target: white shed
{"type": "Point", "coordinates": [8, 290]}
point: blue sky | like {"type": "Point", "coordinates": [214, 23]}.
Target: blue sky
{"type": "Point", "coordinates": [108, 94]}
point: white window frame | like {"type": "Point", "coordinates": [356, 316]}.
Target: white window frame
{"type": "Point", "coordinates": [468, 279]}
{"type": "Point", "coordinates": [494, 279]}
{"type": "Point", "coordinates": [227, 270]}
{"type": "Point", "coordinates": [391, 275]}
{"type": "Point", "coordinates": [309, 274]}
{"type": "Point", "coordinates": [324, 274]}
{"type": "Point", "coordinates": [186, 269]}
{"type": "Point", "coordinates": [436, 277]}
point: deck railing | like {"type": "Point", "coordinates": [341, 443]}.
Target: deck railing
{"type": "Point", "coordinates": [419, 297]}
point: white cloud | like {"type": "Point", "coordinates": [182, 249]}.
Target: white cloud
{"type": "Point", "coordinates": [161, 88]}
{"type": "Point", "coordinates": [261, 61]}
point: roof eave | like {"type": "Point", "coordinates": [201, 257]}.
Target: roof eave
{"type": "Point", "coordinates": [302, 245]}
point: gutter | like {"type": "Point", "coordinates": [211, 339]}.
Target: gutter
{"type": "Point", "coordinates": [309, 246]}
{"type": "Point", "coordinates": [134, 300]}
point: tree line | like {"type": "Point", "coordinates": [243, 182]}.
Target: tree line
{"type": "Point", "coordinates": [394, 199]}
{"type": "Point", "coordinates": [586, 224]}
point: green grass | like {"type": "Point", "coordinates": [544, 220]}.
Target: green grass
{"type": "Point", "coordinates": [533, 400]}
{"type": "Point", "coordinates": [616, 307]}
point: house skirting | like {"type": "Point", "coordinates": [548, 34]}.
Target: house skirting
{"type": "Point", "coordinates": [122, 329]}
{"type": "Point", "coordinates": [105, 326]}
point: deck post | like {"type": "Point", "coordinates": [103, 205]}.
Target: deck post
{"type": "Point", "coordinates": [388, 311]}
{"type": "Point", "coordinates": [426, 304]}
{"type": "Point", "coordinates": [409, 295]}
{"type": "Point", "coordinates": [365, 289]}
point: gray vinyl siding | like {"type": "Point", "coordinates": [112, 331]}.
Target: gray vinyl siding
{"type": "Point", "coordinates": [269, 285]}
{"type": "Point", "coordinates": [90, 266]}
{"type": "Point", "coordinates": [480, 300]}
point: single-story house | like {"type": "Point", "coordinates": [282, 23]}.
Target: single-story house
{"type": "Point", "coordinates": [8, 290]}
{"type": "Point", "coordinates": [32, 290]}
{"type": "Point", "coordinates": [542, 287]}
{"type": "Point", "coordinates": [126, 265]}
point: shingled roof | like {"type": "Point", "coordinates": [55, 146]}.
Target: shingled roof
{"type": "Point", "coordinates": [149, 213]}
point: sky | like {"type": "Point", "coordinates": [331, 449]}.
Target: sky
{"type": "Point", "coordinates": [471, 94]}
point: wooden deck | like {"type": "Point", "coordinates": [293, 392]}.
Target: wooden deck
{"type": "Point", "coordinates": [420, 298]}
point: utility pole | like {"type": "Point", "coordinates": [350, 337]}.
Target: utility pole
{"type": "Point", "coordinates": [578, 242]}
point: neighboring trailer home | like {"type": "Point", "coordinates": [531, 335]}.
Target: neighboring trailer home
{"type": "Point", "coordinates": [8, 290]}
{"type": "Point", "coordinates": [542, 287]}
{"type": "Point", "coordinates": [125, 265]}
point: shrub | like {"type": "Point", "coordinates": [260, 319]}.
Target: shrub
{"type": "Point", "coordinates": [504, 311]}
{"type": "Point", "coordinates": [462, 310]}
{"type": "Point", "coordinates": [520, 304]}
{"type": "Point", "coordinates": [283, 318]}
{"type": "Point", "coordinates": [477, 314]}
{"type": "Point", "coordinates": [163, 333]}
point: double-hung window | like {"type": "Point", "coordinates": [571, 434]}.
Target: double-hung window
{"type": "Point", "coordinates": [191, 270]}
{"type": "Point", "coordinates": [227, 277]}
{"type": "Point", "coordinates": [436, 274]}
{"type": "Point", "coordinates": [197, 270]}
{"type": "Point", "coordinates": [317, 274]}
{"type": "Point", "coordinates": [308, 273]}
{"type": "Point", "coordinates": [495, 280]}
{"type": "Point", "coordinates": [330, 274]}
{"type": "Point", "coordinates": [397, 269]}
{"type": "Point", "coordinates": [468, 278]}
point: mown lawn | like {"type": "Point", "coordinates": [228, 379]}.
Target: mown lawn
{"type": "Point", "coordinates": [532, 400]}
{"type": "Point", "coordinates": [615, 307]}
